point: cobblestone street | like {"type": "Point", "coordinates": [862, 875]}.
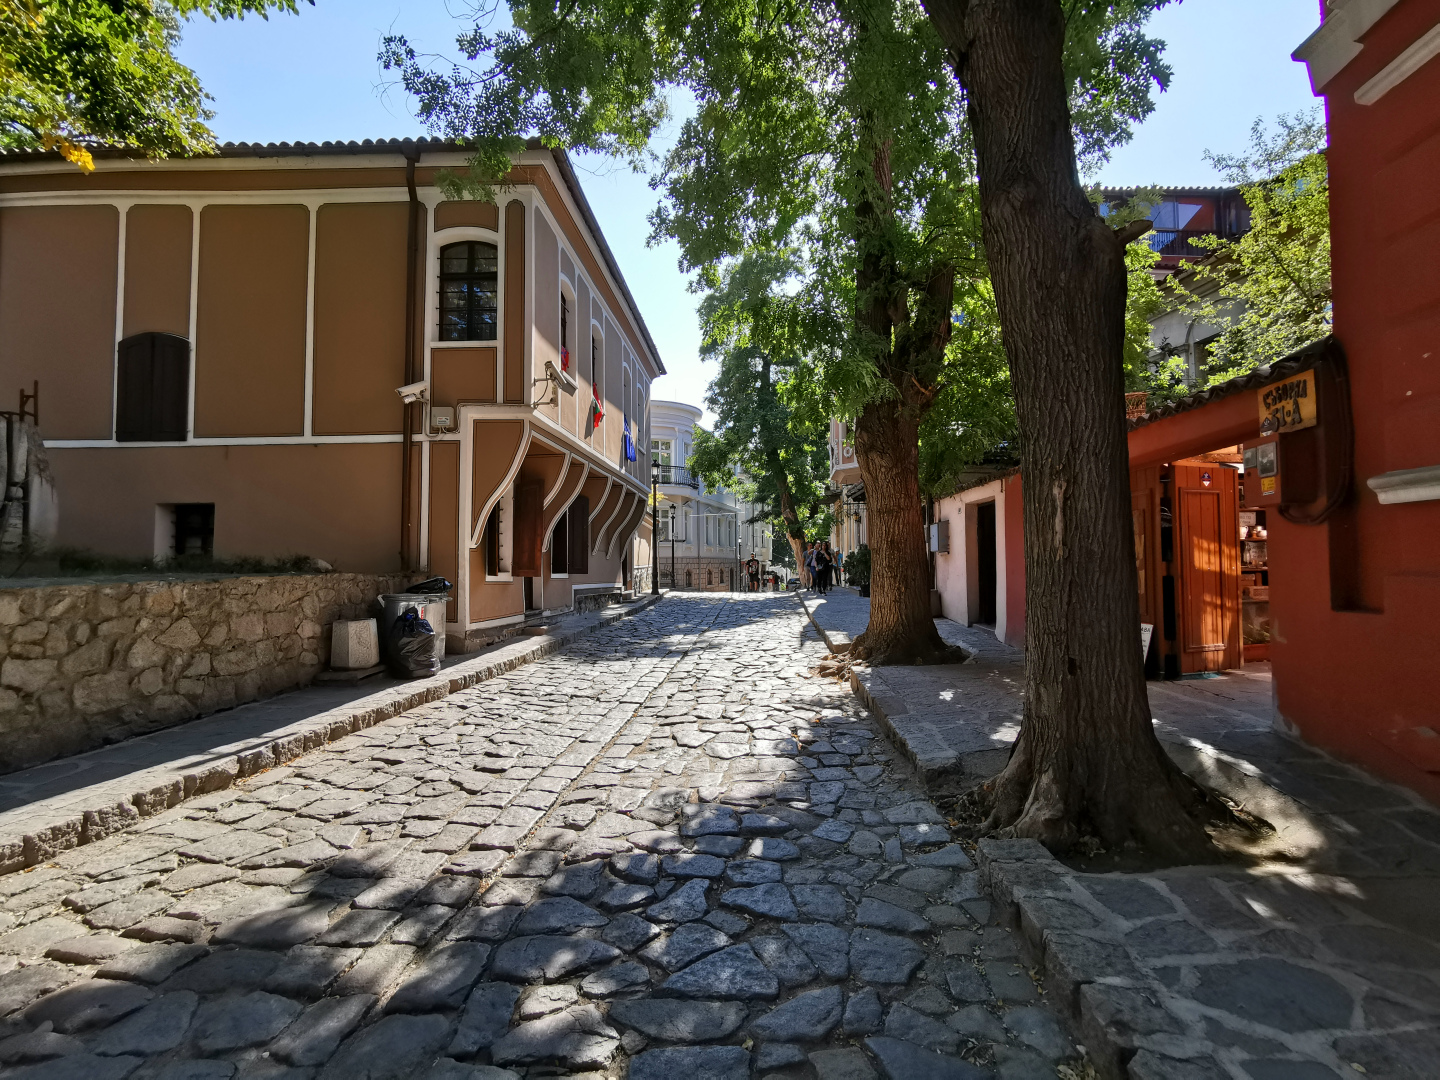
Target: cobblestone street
{"type": "Point", "coordinates": [665, 852]}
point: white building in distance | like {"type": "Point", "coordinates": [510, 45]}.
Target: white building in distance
{"type": "Point", "coordinates": [704, 538]}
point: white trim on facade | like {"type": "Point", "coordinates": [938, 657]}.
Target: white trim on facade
{"type": "Point", "coordinates": [1337, 41]}
{"type": "Point", "coordinates": [1420, 52]}
{"type": "Point", "coordinates": [314, 214]}
{"type": "Point", "coordinates": [1406, 485]}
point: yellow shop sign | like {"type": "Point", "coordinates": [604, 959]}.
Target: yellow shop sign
{"type": "Point", "coordinates": [1288, 405]}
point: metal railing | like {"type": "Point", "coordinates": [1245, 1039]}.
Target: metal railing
{"type": "Point", "coordinates": [678, 475]}
{"type": "Point", "coordinates": [1177, 242]}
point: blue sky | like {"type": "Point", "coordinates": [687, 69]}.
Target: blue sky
{"type": "Point", "coordinates": [313, 77]}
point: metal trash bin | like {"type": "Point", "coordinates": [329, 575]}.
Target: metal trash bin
{"type": "Point", "coordinates": [430, 607]}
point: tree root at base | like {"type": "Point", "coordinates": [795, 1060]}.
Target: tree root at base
{"type": "Point", "coordinates": [1166, 818]}
{"type": "Point", "coordinates": [905, 652]}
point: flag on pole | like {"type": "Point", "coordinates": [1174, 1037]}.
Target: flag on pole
{"type": "Point", "coordinates": [598, 409]}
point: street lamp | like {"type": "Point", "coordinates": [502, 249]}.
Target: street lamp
{"type": "Point", "coordinates": [654, 531]}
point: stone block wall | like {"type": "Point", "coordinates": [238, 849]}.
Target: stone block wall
{"type": "Point", "coordinates": [92, 663]}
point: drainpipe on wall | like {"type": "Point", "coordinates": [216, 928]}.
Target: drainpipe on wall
{"type": "Point", "coordinates": [412, 234]}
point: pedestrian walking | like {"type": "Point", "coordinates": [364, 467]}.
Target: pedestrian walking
{"type": "Point", "coordinates": [822, 567]}
{"type": "Point", "coordinates": [808, 573]}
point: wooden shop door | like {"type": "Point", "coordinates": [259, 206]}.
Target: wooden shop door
{"type": "Point", "coordinates": [1209, 555]}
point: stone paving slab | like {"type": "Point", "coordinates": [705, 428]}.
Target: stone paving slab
{"type": "Point", "coordinates": [953, 721]}
{"type": "Point", "coordinates": [77, 800]}
{"type": "Point", "coordinates": [1322, 962]}
{"type": "Point", "coordinates": [797, 911]}
{"type": "Point", "coordinates": [1223, 972]}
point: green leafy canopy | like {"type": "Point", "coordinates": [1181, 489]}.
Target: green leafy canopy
{"type": "Point", "coordinates": [1279, 271]}
{"type": "Point", "coordinates": [766, 444]}
{"type": "Point", "coordinates": [79, 74]}
{"type": "Point", "coordinates": [829, 131]}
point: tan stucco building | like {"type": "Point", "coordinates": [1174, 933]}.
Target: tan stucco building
{"type": "Point", "coordinates": [219, 341]}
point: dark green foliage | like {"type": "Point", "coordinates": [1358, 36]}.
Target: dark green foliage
{"type": "Point", "coordinates": [831, 132]}
{"type": "Point", "coordinates": [79, 74]}
{"type": "Point", "coordinates": [757, 333]}
{"type": "Point", "coordinates": [857, 566]}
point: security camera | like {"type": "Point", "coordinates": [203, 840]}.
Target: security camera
{"type": "Point", "coordinates": [561, 379]}
{"type": "Point", "coordinates": [413, 392]}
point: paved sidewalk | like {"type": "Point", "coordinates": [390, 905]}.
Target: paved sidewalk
{"type": "Point", "coordinates": [1323, 961]}
{"type": "Point", "coordinates": [664, 853]}
{"type": "Point", "coordinates": [80, 799]}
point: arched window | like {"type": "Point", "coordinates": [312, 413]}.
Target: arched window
{"type": "Point", "coordinates": [469, 284]}
{"type": "Point", "coordinates": [687, 579]}
{"type": "Point", "coordinates": [564, 332]}
{"type": "Point", "coordinates": [709, 577]}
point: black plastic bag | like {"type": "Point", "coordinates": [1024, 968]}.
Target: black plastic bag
{"type": "Point", "coordinates": [410, 647]}
{"type": "Point", "coordinates": [433, 586]}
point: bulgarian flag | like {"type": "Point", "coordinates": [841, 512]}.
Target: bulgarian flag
{"type": "Point", "coordinates": [598, 410]}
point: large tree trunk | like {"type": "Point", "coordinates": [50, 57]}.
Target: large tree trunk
{"type": "Point", "coordinates": [1087, 760]}
{"type": "Point", "coordinates": [901, 629]}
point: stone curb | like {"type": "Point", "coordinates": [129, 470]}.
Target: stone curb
{"type": "Point", "coordinates": [931, 766]}
{"type": "Point", "coordinates": [837, 641]}
{"type": "Point", "coordinates": [164, 788]}
{"type": "Point", "coordinates": [882, 707]}
{"type": "Point", "coordinates": [1115, 1010]}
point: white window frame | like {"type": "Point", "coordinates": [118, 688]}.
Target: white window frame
{"type": "Point", "coordinates": [439, 241]}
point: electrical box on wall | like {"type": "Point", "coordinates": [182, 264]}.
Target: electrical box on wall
{"type": "Point", "coordinates": [1282, 469]}
{"type": "Point", "coordinates": [1302, 462]}
{"type": "Point", "coordinates": [940, 537]}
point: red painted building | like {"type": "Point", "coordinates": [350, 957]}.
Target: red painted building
{"type": "Point", "coordinates": [1349, 510]}
{"type": "Point", "coordinates": [1358, 664]}
{"type": "Point", "coordinates": [1354, 598]}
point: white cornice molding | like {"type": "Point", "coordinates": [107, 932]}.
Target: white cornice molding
{"type": "Point", "coordinates": [1330, 49]}
{"type": "Point", "coordinates": [1407, 485]}
{"type": "Point", "coordinates": [1421, 52]}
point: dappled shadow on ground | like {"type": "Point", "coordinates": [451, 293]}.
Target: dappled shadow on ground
{"type": "Point", "coordinates": [663, 852]}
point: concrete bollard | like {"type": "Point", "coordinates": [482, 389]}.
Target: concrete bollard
{"type": "Point", "coordinates": [354, 645]}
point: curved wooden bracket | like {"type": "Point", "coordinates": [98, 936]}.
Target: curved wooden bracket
{"type": "Point", "coordinates": [488, 477]}
{"type": "Point", "coordinates": [559, 502]}
{"type": "Point", "coordinates": [628, 525]}
{"type": "Point", "coordinates": [614, 499]}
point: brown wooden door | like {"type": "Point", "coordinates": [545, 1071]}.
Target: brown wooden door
{"type": "Point", "coordinates": [1144, 515]}
{"type": "Point", "coordinates": [1209, 556]}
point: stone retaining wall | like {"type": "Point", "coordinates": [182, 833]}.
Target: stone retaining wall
{"type": "Point", "coordinates": [93, 663]}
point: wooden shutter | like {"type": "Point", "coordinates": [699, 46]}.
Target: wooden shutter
{"type": "Point", "coordinates": [579, 515]}
{"type": "Point", "coordinates": [529, 502]}
{"type": "Point", "coordinates": [152, 401]}
{"type": "Point", "coordinates": [132, 397]}
{"type": "Point", "coordinates": [170, 403]}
